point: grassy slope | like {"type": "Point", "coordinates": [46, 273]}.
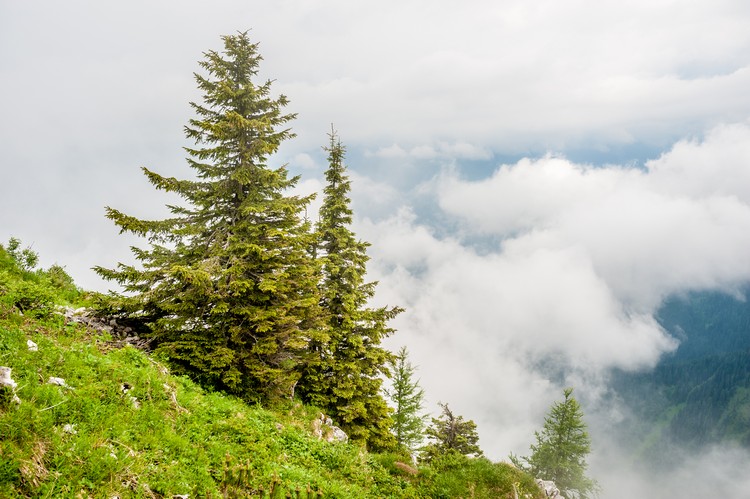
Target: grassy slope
{"type": "Point", "coordinates": [166, 436]}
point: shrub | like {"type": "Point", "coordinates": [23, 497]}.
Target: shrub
{"type": "Point", "coordinates": [30, 298]}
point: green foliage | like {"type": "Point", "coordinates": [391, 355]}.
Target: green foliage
{"type": "Point", "coordinates": [344, 374]}
{"type": "Point", "coordinates": [30, 297]}
{"type": "Point", "coordinates": [227, 286]}
{"type": "Point", "coordinates": [174, 440]}
{"type": "Point", "coordinates": [126, 427]}
{"type": "Point", "coordinates": [451, 434]}
{"type": "Point", "coordinates": [408, 399]}
{"type": "Point", "coordinates": [561, 449]}
{"type": "Point", "coordinates": [454, 475]}
{"type": "Point", "coordinates": [24, 258]}
{"type": "Point", "coordinates": [695, 397]}
{"type": "Point", "coordinates": [32, 292]}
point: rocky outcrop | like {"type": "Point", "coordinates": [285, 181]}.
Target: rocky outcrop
{"type": "Point", "coordinates": [121, 334]}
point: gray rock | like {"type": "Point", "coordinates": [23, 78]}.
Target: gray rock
{"type": "Point", "coordinates": [324, 429]}
{"type": "Point", "coordinates": [549, 488]}
{"type": "Point", "coordinates": [59, 382]}
{"type": "Point", "coordinates": [5, 379]}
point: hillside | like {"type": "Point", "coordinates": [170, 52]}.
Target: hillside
{"type": "Point", "coordinates": [699, 394]}
{"type": "Point", "coordinates": [97, 417]}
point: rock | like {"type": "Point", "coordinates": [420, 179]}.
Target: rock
{"type": "Point", "coordinates": [70, 429]}
{"type": "Point", "coordinates": [549, 488]}
{"type": "Point", "coordinates": [59, 382]}
{"type": "Point", "coordinates": [33, 347]}
{"type": "Point", "coordinates": [337, 435]}
{"type": "Point", "coordinates": [5, 379]}
{"type": "Point", "coordinates": [8, 384]}
{"type": "Point", "coordinates": [324, 429]}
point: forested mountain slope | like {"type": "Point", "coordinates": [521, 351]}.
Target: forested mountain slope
{"type": "Point", "coordinates": [699, 394]}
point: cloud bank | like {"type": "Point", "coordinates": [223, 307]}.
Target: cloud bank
{"type": "Point", "coordinates": [582, 258]}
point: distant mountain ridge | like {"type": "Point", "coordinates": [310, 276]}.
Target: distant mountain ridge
{"type": "Point", "coordinates": [699, 394]}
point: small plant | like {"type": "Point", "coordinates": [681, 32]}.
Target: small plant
{"type": "Point", "coordinates": [31, 298]}
{"type": "Point", "coordinates": [25, 258]}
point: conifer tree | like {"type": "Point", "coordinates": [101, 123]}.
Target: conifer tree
{"type": "Point", "coordinates": [344, 374]}
{"type": "Point", "coordinates": [227, 286]}
{"type": "Point", "coordinates": [561, 448]}
{"type": "Point", "coordinates": [407, 398]}
{"type": "Point", "coordinates": [451, 433]}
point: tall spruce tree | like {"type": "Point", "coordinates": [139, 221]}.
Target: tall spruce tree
{"type": "Point", "coordinates": [561, 448]}
{"type": "Point", "coordinates": [407, 399]}
{"type": "Point", "coordinates": [344, 376]}
{"type": "Point", "coordinates": [227, 286]}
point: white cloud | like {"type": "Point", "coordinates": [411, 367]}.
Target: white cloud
{"type": "Point", "coordinates": [441, 150]}
{"type": "Point", "coordinates": [586, 256]}
{"type": "Point", "coordinates": [304, 161]}
{"type": "Point", "coordinates": [392, 151]}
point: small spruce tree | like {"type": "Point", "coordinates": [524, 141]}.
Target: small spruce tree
{"type": "Point", "coordinates": [344, 375]}
{"type": "Point", "coordinates": [451, 433]}
{"type": "Point", "coordinates": [407, 399]}
{"type": "Point", "coordinates": [227, 287]}
{"type": "Point", "coordinates": [561, 448]}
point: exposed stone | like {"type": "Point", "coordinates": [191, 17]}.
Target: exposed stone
{"type": "Point", "coordinates": [59, 382]}
{"type": "Point", "coordinates": [7, 384]}
{"type": "Point", "coordinates": [70, 429]}
{"type": "Point", "coordinates": [5, 379]}
{"type": "Point", "coordinates": [324, 429]}
{"type": "Point", "coordinates": [33, 347]}
{"type": "Point", "coordinates": [121, 334]}
{"type": "Point", "coordinates": [549, 488]}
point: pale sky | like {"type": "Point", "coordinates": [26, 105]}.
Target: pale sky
{"type": "Point", "coordinates": [535, 176]}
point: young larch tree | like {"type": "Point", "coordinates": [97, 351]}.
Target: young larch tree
{"type": "Point", "coordinates": [561, 448]}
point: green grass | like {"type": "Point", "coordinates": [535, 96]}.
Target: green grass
{"type": "Point", "coordinates": [165, 435]}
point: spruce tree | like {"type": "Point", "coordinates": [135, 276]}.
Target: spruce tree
{"type": "Point", "coordinates": [227, 287]}
{"type": "Point", "coordinates": [344, 376]}
{"type": "Point", "coordinates": [561, 448]}
{"type": "Point", "coordinates": [407, 398]}
{"type": "Point", "coordinates": [450, 433]}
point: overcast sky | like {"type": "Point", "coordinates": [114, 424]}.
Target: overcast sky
{"type": "Point", "coordinates": [535, 176]}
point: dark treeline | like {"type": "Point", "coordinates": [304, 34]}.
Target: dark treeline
{"type": "Point", "coordinates": [700, 394]}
